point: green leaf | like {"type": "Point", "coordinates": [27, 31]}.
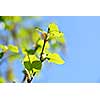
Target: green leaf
{"type": "Point", "coordinates": [54, 31]}
{"type": "Point", "coordinates": [61, 40]}
{"type": "Point", "coordinates": [2, 80]}
{"type": "Point", "coordinates": [22, 33]}
{"type": "Point", "coordinates": [27, 65]}
{"type": "Point", "coordinates": [17, 19]}
{"type": "Point", "coordinates": [10, 74]}
{"type": "Point", "coordinates": [30, 52]}
{"type": "Point", "coordinates": [53, 27]}
{"type": "Point", "coordinates": [13, 48]}
{"type": "Point", "coordinates": [55, 58]}
{"type": "Point", "coordinates": [37, 65]}
{"type": "Point", "coordinates": [31, 57]}
{"type": "Point", "coordinates": [35, 36]}
{"type": "Point", "coordinates": [1, 54]}
{"type": "Point", "coordinates": [39, 29]}
{"type": "Point", "coordinates": [14, 56]}
{"type": "Point", "coordinates": [34, 65]}
{"type": "Point", "coordinates": [55, 45]}
{"type": "Point", "coordinates": [40, 44]}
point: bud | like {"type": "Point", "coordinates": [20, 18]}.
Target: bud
{"type": "Point", "coordinates": [43, 35]}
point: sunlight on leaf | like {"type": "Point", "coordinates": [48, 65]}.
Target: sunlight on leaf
{"type": "Point", "coordinates": [54, 31]}
{"type": "Point", "coordinates": [40, 44]}
{"type": "Point", "coordinates": [17, 19]}
{"type": "Point", "coordinates": [35, 36]}
{"type": "Point", "coordinates": [13, 48]}
{"type": "Point", "coordinates": [2, 80]}
{"type": "Point", "coordinates": [53, 27]}
{"type": "Point", "coordinates": [61, 40]}
{"type": "Point", "coordinates": [39, 29]}
{"type": "Point", "coordinates": [13, 57]}
{"type": "Point", "coordinates": [32, 58]}
{"type": "Point", "coordinates": [55, 58]}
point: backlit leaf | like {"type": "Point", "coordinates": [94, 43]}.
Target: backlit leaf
{"type": "Point", "coordinates": [35, 36]}
{"type": "Point", "coordinates": [14, 56]}
{"type": "Point", "coordinates": [54, 31]}
{"type": "Point", "coordinates": [40, 43]}
{"type": "Point", "coordinates": [53, 27]}
{"type": "Point", "coordinates": [55, 58]}
{"type": "Point", "coordinates": [13, 48]}
{"type": "Point", "coordinates": [31, 57]}
{"type": "Point", "coordinates": [39, 29]}
{"type": "Point", "coordinates": [17, 18]}
{"type": "Point", "coordinates": [61, 40]}
{"type": "Point", "coordinates": [2, 80]}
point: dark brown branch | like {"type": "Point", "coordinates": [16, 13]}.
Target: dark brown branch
{"type": "Point", "coordinates": [30, 80]}
{"type": "Point", "coordinates": [24, 79]}
{"type": "Point", "coordinates": [45, 40]}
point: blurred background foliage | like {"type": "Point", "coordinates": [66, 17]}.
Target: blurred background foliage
{"type": "Point", "coordinates": [24, 33]}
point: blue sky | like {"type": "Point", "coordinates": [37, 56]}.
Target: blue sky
{"type": "Point", "coordinates": [82, 63]}
{"type": "Point", "coordinates": [82, 60]}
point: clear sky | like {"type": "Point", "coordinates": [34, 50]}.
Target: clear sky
{"type": "Point", "coordinates": [82, 61]}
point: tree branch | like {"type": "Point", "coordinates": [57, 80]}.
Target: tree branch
{"type": "Point", "coordinates": [45, 40]}
{"type": "Point", "coordinates": [30, 80]}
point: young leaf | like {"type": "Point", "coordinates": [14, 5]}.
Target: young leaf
{"type": "Point", "coordinates": [27, 65]}
{"type": "Point", "coordinates": [13, 48]}
{"type": "Point", "coordinates": [53, 31]}
{"type": "Point", "coordinates": [16, 19]}
{"type": "Point", "coordinates": [61, 40]}
{"type": "Point", "coordinates": [30, 52]}
{"type": "Point", "coordinates": [39, 29]}
{"type": "Point", "coordinates": [40, 44]}
{"type": "Point", "coordinates": [53, 27]}
{"type": "Point", "coordinates": [1, 54]}
{"type": "Point", "coordinates": [35, 36]}
{"type": "Point", "coordinates": [37, 65]}
{"type": "Point", "coordinates": [2, 80]}
{"type": "Point", "coordinates": [13, 57]}
{"type": "Point", "coordinates": [55, 58]}
{"type": "Point", "coordinates": [31, 57]}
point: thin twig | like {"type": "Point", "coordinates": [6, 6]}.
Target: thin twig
{"type": "Point", "coordinates": [24, 78]}
{"type": "Point", "coordinates": [30, 80]}
{"type": "Point", "coordinates": [45, 40]}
